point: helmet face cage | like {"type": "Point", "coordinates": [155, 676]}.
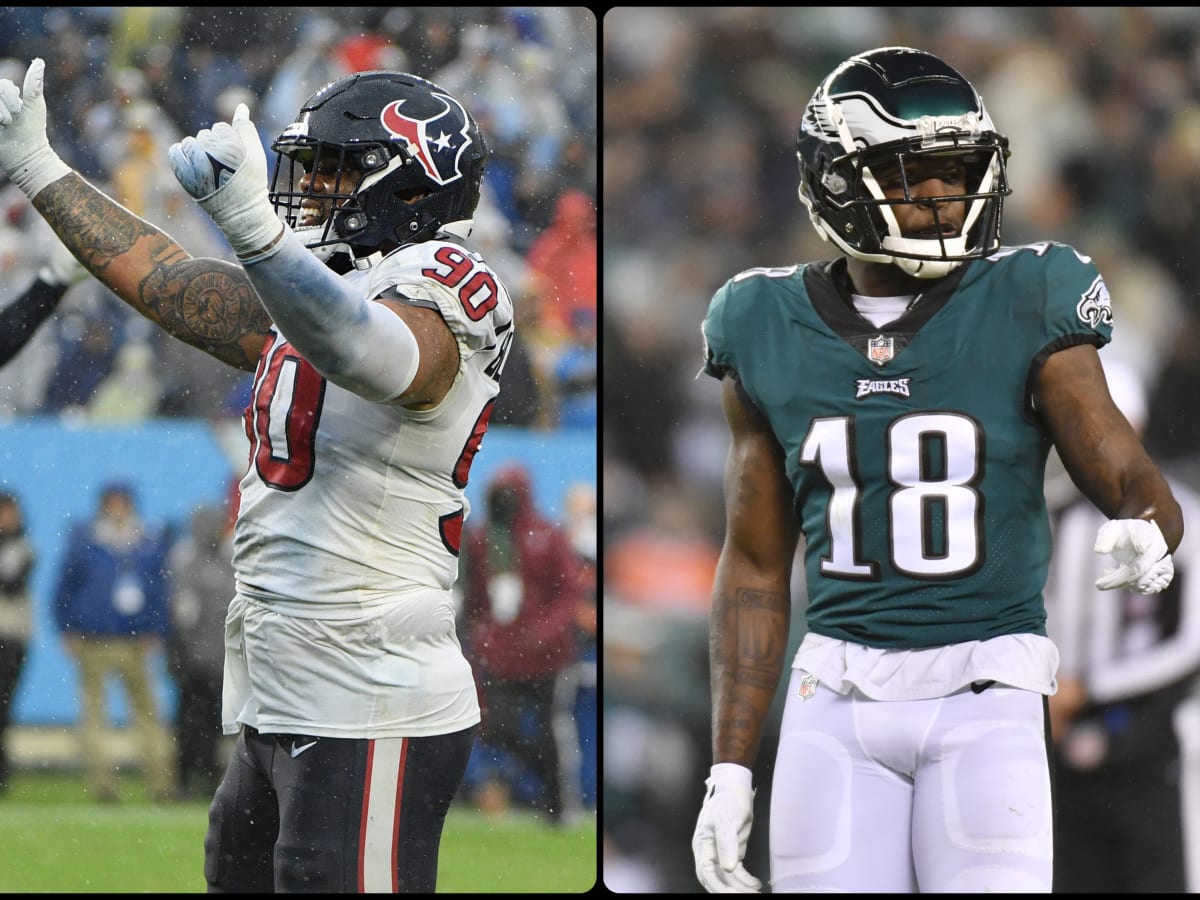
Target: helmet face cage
{"type": "Point", "coordinates": [380, 138]}
{"type": "Point", "coordinates": [347, 221]}
{"type": "Point", "coordinates": [887, 108]}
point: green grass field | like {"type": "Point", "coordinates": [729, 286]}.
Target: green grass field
{"type": "Point", "coordinates": [54, 839]}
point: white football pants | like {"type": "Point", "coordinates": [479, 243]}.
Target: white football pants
{"type": "Point", "coordinates": [950, 794]}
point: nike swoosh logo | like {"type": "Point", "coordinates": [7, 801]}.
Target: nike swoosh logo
{"type": "Point", "coordinates": [296, 751]}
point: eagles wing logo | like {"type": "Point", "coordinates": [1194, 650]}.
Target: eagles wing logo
{"type": "Point", "coordinates": [437, 142]}
{"type": "Point", "coordinates": [1095, 306]}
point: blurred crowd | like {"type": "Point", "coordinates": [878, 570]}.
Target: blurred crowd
{"type": "Point", "coordinates": [123, 83]}
{"type": "Point", "coordinates": [134, 596]}
{"type": "Point", "coordinates": [701, 108]}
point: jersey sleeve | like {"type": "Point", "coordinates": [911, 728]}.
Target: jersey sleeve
{"type": "Point", "coordinates": [718, 358]}
{"type": "Point", "coordinates": [1078, 308]}
{"type": "Point", "coordinates": [454, 281]}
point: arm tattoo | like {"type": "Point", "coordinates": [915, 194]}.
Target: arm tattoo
{"type": "Point", "coordinates": [746, 667]}
{"type": "Point", "coordinates": [761, 639]}
{"type": "Point", "coordinates": [208, 303]}
{"type": "Point", "coordinates": [211, 307]}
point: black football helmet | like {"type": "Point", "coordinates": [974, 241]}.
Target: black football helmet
{"type": "Point", "coordinates": [888, 106]}
{"type": "Point", "coordinates": [406, 136]}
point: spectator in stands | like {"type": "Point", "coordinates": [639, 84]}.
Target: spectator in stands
{"type": "Point", "coordinates": [16, 615]}
{"type": "Point", "coordinates": [581, 684]}
{"type": "Point", "coordinates": [130, 392]}
{"type": "Point", "coordinates": [522, 589]}
{"type": "Point", "coordinates": [565, 259]}
{"type": "Point", "coordinates": [133, 127]}
{"type": "Point", "coordinates": [223, 46]}
{"type": "Point", "coordinates": [111, 606]}
{"type": "Point", "coordinates": [575, 373]}
{"type": "Point", "coordinates": [90, 335]}
{"type": "Point", "coordinates": [310, 63]}
{"type": "Point", "coordinates": [430, 34]}
{"type": "Point", "coordinates": [527, 398]}
{"type": "Point", "coordinates": [201, 579]}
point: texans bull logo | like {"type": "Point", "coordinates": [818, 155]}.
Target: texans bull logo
{"type": "Point", "coordinates": [436, 142]}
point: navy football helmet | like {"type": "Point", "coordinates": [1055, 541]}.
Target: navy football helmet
{"type": "Point", "coordinates": [407, 137]}
{"type": "Point", "coordinates": [883, 108]}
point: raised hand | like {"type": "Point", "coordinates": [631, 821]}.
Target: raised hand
{"type": "Point", "coordinates": [25, 153]}
{"type": "Point", "coordinates": [225, 169]}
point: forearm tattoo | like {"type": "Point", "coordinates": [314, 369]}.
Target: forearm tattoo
{"type": "Point", "coordinates": [212, 308]}
{"type": "Point", "coordinates": [761, 638]}
{"type": "Point", "coordinates": [208, 303]}
{"type": "Point", "coordinates": [747, 658]}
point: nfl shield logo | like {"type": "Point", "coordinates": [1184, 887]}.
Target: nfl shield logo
{"type": "Point", "coordinates": [879, 349]}
{"type": "Point", "coordinates": [808, 686]}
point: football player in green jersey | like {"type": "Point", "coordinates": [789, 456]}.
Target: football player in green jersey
{"type": "Point", "coordinates": [895, 407]}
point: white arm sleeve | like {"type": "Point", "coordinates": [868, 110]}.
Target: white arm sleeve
{"type": "Point", "coordinates": [358, 344]}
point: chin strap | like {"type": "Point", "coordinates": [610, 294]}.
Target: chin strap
{"type": "Point", "coordinates": [927, 268]}
{"type": "Point", "coordinates": [365, 262]}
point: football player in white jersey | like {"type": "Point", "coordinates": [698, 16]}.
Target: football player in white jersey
{"type": "Point", "coordinates": [377, 339]}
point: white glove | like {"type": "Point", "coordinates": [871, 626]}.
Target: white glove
{"type": "Point", "coordinates": [225, 169]}
{"type": "Point", "coordinates": [719, 842]}
{"type": "Point", "coordinates": [25, 154]}
{"type": "Point", "coordinates": [61, 267]}
{"type": "Point", "coordinates": [1140, 551]}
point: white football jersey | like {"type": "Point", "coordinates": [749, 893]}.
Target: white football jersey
{"type": "Point", "coordinates": [352, 511]}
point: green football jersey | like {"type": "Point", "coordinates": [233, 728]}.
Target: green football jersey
{"type": "Point", "coordinates": [915, 455]}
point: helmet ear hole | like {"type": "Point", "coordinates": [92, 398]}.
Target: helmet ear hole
{"type": "Point", "coordinates": [372, 160]}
